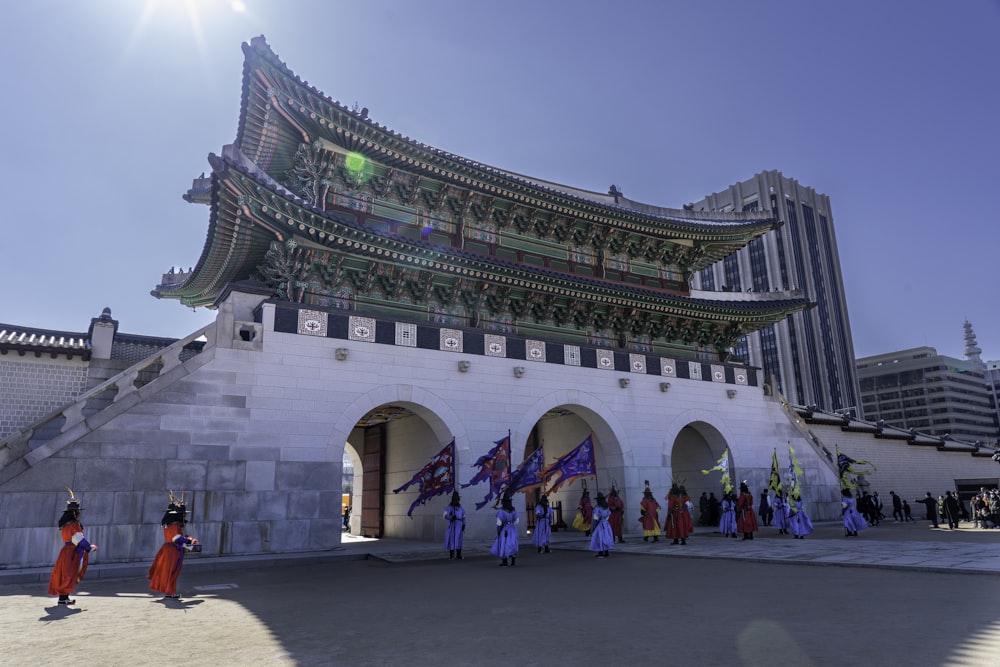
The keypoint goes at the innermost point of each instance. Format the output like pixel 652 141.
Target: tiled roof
pixel 26 339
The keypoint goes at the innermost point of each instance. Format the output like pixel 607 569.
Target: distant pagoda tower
pixel 972 350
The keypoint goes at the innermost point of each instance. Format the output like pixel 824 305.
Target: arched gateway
pixel 385 297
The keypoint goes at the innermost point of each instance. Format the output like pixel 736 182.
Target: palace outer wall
pixel 253 431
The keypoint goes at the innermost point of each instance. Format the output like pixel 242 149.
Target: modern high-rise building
pixel 991 371
pixel 810 354
pixel 922 390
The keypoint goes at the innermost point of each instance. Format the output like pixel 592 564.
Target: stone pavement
pixel 911 546
pixel 909 595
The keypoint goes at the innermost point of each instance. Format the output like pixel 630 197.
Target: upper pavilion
pixel 334 211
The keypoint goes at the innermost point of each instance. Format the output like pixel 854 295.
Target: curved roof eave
pixel 751 307
pixel 705 222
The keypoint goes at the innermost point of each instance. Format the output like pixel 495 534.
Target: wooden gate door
pixel 373 481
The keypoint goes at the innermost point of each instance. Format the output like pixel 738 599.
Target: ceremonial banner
pixel 723 465
pixel 579 462
pixel 775 483
pixel 493 466
pixel 435 478
pixel 845 464
pixel 794 472
pixel 529 474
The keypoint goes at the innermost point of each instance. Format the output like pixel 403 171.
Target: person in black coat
pixel 931 505
pixel 951 510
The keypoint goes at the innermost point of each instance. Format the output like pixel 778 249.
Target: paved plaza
pixel 899 594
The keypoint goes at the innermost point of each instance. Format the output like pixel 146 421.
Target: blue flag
pixel 493 466
pixel 529 473
pixel 579 462
pixel 435 478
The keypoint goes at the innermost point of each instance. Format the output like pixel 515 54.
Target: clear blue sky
pixel 110 108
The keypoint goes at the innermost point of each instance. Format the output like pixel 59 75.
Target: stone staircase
pixel 94 408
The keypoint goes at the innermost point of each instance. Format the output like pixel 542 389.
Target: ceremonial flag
pixel 579 462
pixel 775 483
pixel 794 472
pixel 723 465
pixel 529 474
pixel 845 465
pixel 435 478
pixel 494 466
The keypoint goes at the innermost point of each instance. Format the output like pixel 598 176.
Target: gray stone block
pixel 97 507
pixel 183 475
pixel 216 438
pixel 240 506
pixel 149 474
pixel 39 509
pixel 203 452
pixel 48 475
pixel 226 475
pixel 128 508
pixel 324 534
pixel 290 536
pixel 213 506
pixel 248 537
pixel 103 475
pixel 272 505
pixel 330 503
pixel 232 401
pixel 305 505
pixel 260 476
pixel 308 475
pixel 138 450
pixel 243 453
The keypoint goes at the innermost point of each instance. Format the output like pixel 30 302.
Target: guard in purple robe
pixel 853 521
pixel 727 524
pixel 454 514
pixel 543 525
pixel 801 524
pixel 782 515
pixel 601 537
pixel 505 545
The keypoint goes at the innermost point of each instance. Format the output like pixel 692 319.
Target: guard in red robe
pixel 649 516
pixel 71 564
pixel 746 518
pixel 617 508
pixel 677 524
pixel 166 567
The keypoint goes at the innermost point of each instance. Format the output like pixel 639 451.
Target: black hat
pixel 72 511
pixel 455 498
pixel 176 511
pixel 508 501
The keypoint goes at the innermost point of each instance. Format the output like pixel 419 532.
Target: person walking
pixel 543 525
pixel 169 560
pixel 74 556
pixel 782 514
pixel 897 507
pixel 931 505
pixel 853 521
pixel 746 519
pixel 906 511
pixel 601 539
pixel 617 520
pixel 584 513
pixel 727 520
pixel 649 515
pixel 764 509
pixel 454 534
pixel 951 511
pixel 677 524
pixel 800 524
pixel 505 545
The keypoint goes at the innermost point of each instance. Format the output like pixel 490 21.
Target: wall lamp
pixel 623 382
pixel 463 366
pixel 731 393
pixel 340 353
pixel 518 371
pixel 664 387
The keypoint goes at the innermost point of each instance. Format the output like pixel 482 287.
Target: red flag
pixel 577 463
pixel 494 466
